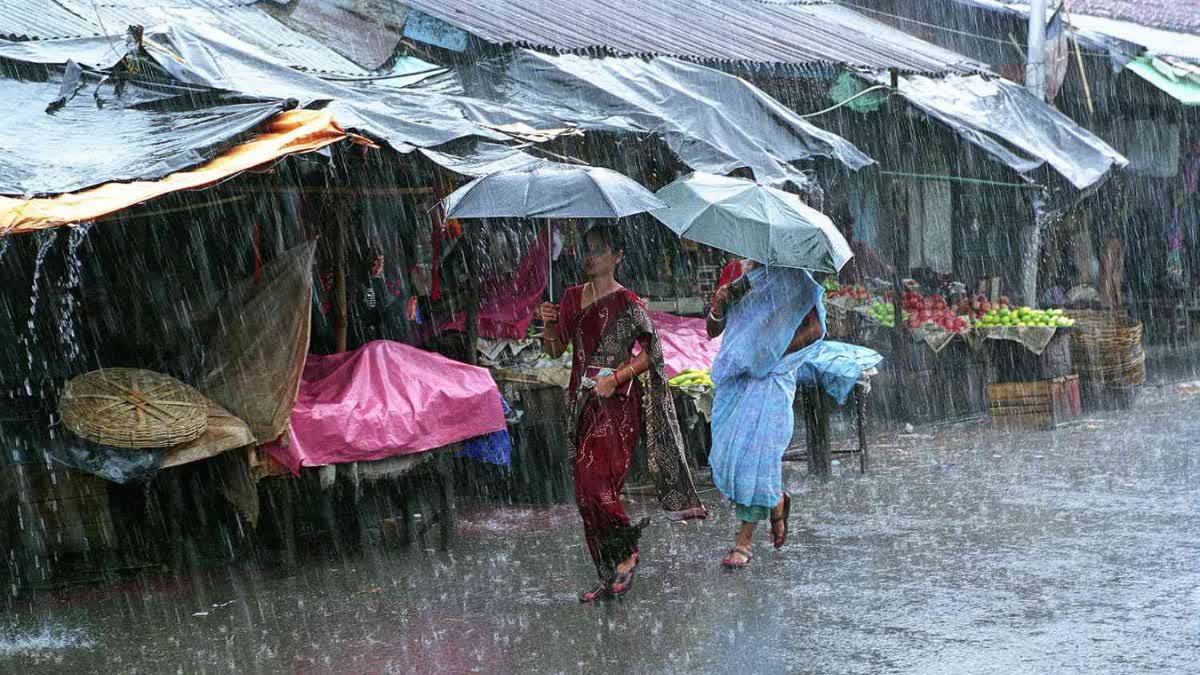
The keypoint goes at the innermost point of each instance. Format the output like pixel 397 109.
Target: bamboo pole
pixel 1087 88
pixel 471 321
pixel 341 310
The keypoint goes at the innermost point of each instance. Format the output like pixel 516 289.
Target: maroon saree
pixel 604 432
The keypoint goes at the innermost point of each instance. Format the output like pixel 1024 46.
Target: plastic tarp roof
pixel 146 133
pixel 291 132
pixel 715 122
pixel 1006 121
pixel 198 66
pixel 483 158
pixel 1178 80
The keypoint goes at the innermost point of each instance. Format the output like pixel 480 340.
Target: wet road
pixel 966 550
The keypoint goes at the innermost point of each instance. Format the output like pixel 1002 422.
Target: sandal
pixel 599 592
pixel 623 582
pixel 787 511
pixel 730 563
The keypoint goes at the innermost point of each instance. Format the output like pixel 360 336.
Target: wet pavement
pixel 964 550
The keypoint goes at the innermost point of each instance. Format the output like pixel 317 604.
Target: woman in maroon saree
pixel 613 397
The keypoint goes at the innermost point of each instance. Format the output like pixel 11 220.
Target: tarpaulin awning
pixel 712 120
pixel 386 399
pixel 482 158
pixel 67 129
pixel 1180 81
pixel 715 122
pixel 288 133
pixel 1006 121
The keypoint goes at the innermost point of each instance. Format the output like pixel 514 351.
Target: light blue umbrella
pixel 752 221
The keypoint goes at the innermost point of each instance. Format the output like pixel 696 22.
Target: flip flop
pixel 787 511
pixel 599 592
pixel 623 583
pixel 732 564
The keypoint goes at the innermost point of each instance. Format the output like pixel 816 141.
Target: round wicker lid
pixel 131 408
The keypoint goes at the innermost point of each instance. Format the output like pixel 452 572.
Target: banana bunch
pixel 691 378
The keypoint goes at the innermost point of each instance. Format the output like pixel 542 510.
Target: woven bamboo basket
pixel 130 408
pixel 1107 348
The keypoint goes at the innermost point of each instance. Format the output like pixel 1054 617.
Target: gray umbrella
pixel 551 190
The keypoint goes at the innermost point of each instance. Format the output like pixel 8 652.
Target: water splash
pixel 67 321
pixel 47 638
pixel 46 241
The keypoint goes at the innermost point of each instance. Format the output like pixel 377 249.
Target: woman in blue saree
pixel 773 340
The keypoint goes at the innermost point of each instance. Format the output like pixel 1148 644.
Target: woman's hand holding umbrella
pixel 548 313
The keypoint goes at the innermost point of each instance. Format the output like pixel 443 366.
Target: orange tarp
pixel 288 133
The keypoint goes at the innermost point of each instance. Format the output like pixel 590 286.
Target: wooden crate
pixel 1034 405
pixel 60 510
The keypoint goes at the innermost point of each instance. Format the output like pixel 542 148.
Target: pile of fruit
pixel 1025 316
pixel 691 378
pixel 855 292
pixel 979 306
pixel 884 313
pixel 932 310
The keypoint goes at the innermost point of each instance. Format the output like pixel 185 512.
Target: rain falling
pixel 506 336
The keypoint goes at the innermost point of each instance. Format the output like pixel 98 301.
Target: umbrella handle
pixel 550 261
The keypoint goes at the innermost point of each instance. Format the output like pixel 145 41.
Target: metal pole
pixel 1035 81
pixel 1035 66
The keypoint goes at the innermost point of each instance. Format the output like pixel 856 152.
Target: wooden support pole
pixel 471 321
pixel 860 414
pixel 341 306
pixel 816 423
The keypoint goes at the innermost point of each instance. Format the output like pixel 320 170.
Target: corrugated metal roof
pixel 40 20
pixel 57 19
pixel 722 30
pixel 329 22
pixel 1181 16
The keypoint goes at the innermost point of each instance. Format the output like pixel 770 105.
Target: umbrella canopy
pixel 551 190
pixel 752 221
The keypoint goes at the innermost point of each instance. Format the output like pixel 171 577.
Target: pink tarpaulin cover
pixel 386 399
pixel 685 343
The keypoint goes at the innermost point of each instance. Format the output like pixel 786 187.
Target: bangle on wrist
pixel 712 315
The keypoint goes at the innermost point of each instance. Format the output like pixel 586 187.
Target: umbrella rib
pixel 603 195
pixel 467 190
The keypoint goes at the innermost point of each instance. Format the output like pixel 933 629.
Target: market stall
pixel 959 349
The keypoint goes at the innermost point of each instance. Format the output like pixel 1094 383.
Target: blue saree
pixel 756 381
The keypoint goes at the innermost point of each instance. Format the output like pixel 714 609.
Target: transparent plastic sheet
pixel 147 132
pixel 1005 120
pixel 255 342
pixel 715 122
pixel 225 87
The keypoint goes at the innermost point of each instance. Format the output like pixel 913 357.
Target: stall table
pixel 816 408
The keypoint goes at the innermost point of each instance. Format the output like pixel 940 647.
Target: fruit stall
pixel 956 351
